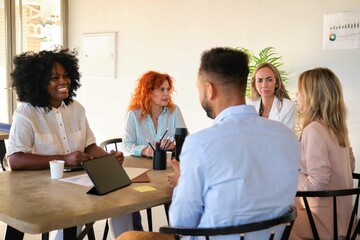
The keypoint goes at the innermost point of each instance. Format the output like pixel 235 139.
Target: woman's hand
pixel 173 177
pixel 75 158
pixel 118 155
pixel 168 144
pixel 147 152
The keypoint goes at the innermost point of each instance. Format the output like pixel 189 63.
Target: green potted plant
pixel 269 55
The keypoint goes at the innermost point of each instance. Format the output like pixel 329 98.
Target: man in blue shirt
pixel 242 169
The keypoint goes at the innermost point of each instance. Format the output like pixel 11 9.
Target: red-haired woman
pixel 150 113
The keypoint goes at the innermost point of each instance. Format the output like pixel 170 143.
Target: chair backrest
pixel 287 220
pixel 356 177
pixel 5 127
pixel 113 142
pixel 2 154
pixel 334 194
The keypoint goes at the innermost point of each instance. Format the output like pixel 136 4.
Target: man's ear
pixel 210 90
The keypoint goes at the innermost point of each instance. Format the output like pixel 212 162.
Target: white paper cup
pixel 168 154
pixel 57 168
pixel 168 158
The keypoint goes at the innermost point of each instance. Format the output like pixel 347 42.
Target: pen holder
pixel 159 160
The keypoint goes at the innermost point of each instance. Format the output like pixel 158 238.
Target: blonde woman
pixel 269 96
pixel 325 160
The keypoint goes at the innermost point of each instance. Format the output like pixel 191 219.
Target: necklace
pixel 156 116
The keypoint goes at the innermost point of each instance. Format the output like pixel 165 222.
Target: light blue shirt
pixel 242 169
pixel 138 132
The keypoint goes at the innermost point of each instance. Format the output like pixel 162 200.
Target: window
pixel 26 25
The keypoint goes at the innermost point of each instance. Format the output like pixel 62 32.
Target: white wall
pixel 169 36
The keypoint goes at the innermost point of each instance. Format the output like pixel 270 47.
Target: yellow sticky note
pixel 145 189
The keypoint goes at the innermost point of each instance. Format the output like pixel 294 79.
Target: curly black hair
pixel 32 74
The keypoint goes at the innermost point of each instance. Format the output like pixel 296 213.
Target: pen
pixel 150 145
pixel 166 147
pixel 167 140
pixel 164 134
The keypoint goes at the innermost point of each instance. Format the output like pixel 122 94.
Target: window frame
pixel 11 41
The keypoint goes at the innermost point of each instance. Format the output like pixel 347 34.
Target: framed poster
pixel 99 55
pixel 341 30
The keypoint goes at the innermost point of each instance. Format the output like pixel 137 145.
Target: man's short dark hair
pixel 226 66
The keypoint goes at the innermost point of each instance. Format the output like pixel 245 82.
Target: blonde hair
pixel 322 100
pixel 280 90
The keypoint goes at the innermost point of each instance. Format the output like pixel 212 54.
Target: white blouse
pixel 286 114
pixel 60 131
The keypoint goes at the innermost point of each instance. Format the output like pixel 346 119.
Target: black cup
pixel 180 135
pixel 159 160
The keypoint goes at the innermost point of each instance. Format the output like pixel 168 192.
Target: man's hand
pixel 173 177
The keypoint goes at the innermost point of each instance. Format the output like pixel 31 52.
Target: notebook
pixel 106 173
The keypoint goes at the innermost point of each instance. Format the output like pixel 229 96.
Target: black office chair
pixel 112 144
pixel 6 128
pixel 354 224
pixel 287 220
pixel 2 154
pixel 106 145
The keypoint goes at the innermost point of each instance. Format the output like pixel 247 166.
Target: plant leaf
pixel 267 54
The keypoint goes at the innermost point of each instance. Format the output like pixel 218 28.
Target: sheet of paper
pixel 84 179
pixel 134 172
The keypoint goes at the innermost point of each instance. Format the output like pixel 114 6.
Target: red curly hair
pixel 140 100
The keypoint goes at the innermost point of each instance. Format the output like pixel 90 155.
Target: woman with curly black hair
pixel 33 72
pixel 50 124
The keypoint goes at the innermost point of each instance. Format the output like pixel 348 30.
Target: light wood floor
pixel 159 219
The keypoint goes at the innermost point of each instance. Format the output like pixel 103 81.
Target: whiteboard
pixel 99 55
